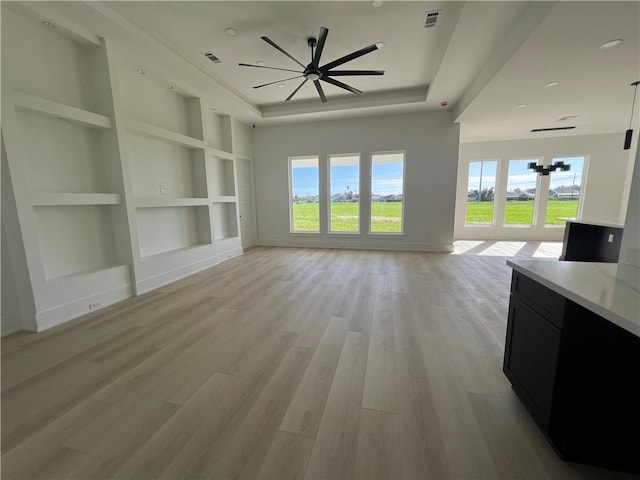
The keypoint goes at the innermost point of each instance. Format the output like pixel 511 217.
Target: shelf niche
pixel 61 156
pixel 218 130
pixel 167 229
pixel 181 171
pixel 222 182
pixel 75 239
pixel 149 99
pixel 225 221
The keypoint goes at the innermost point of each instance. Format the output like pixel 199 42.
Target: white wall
pixel 605 185
pixel 431 143
pixel 17 309
pixel 630 249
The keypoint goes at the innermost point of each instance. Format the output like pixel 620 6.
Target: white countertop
pixel 587 222
pixel 612 290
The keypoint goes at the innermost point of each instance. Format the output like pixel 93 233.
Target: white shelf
pixel 170 202
pixel 147 130
pixel 224 199
pixel 44 199
pixel 158 256
pixel 43 106
pixel 214 152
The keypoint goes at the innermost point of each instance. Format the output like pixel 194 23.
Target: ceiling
pixel 482 58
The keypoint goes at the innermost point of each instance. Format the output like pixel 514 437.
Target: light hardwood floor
pixel 282 363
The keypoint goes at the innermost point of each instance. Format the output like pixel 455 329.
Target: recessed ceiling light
pixel 281 85
pixel 260 63
pixel 611 44
pixel 141 72
pixel 522 105
pixel 376 3
pixel 552 84
pixel 171 87
pixel 232 32
pixel 48 24
pixel 380 44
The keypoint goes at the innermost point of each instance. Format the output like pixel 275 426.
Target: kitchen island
pixel 572 354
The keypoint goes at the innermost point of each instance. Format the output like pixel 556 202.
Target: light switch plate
pixel 163 188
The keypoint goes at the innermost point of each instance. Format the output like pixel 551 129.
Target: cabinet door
pixel 530 360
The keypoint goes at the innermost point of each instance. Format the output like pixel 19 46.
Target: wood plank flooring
pixel 283 363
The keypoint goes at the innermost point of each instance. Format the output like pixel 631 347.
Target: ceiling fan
pixel 314 72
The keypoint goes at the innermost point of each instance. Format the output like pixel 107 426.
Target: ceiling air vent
pixel 430 18
pixel 211 57
pixel 551 129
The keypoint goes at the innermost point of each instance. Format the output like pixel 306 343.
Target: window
pixel 521 193
pixel 303 194
pixel 344 193
pixel 481 191
pixel 387 192
pixel 565 192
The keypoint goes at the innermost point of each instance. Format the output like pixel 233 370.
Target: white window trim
pixel 290 176
pixel 339 155
pixel 495 194
pixel 404 192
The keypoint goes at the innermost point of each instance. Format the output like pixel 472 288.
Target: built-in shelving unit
pixel 182 171
pixel 64 164
pixel 124 178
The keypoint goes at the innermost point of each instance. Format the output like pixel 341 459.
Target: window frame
pixel 536 200
pixel 404 194
pixel 344 155
pixel 496 197
pixel 290 161
pixel 583 182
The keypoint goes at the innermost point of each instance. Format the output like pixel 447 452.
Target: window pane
pixel 521 193
pixel 387 192
pixel 564 192
pixel 344 180
pixel 305 213
pixel 481 192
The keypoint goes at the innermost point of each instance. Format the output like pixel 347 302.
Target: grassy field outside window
pixel 519 212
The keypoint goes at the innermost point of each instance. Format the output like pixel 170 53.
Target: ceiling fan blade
pixel 341 85
pixel 276 46
pixel 270 68
pixel 323 97
pixel 348 58
pixel 296 90
pixel 344 73
pixel 277 81
pixel 322 37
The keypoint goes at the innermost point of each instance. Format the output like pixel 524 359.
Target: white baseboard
pixel 356 245
pixel 170 276
pixel 63 313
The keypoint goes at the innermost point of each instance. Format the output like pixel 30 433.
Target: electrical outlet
pixel 610 239
pixel 163 188
pixel 95 306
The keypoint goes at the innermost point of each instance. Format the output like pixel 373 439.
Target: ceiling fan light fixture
pixel 611 44
pixel 312 76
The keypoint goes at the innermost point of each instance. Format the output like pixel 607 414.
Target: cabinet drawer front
pixel 531 356
pixel 543 300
